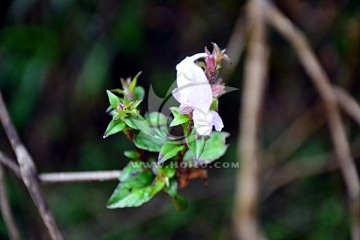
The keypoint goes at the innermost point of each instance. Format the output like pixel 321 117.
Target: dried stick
pixel 9 163
pixel 67 177
pixel 246 192
pixel 6 209
pixel 64 177
pixel 235 46
pixel 28 173
pixel 302 127
pixel 322 83
pixel 297 169
pixel 301 168
pixel 348 103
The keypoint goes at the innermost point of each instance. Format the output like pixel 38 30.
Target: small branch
pixel 297 169
pixel 322 83
pixel 67 177
pixel 294 136
pixel 64 177
pixel 311 166
pixel 28 173
pixel 6 209
pixel 9 163
pixel 348 103
pixel 246 191
pixel 235 46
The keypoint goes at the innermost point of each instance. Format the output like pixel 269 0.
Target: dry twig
pixel 9 163
pixel 246 195
pixel 64 177
pixel 67 177
pixel 6 209
pixel 235 46
pixel 348 103
pixel 28 173
pixel 294 136
pixel 322 83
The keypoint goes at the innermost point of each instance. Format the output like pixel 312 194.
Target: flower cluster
pixel 160 162
pixel 198 88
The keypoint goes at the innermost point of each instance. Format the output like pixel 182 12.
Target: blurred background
pixel 57 58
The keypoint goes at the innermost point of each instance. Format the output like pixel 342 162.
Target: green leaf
pixel 131 169
pixel 138 123
pixel 179 202
pixel 180 119
pixel 169 150
pixel 147 142
pixel 121 115
pixel 196 145
pixel 126 101
pixel 132 154
pixel 133 83
pixel 167 171
pixel 137 186
pixel 113 99
pixel 214 104
pixel 139 92
pixel 135 104
pixel 126 195
pixel 174 111
pixel 214 149
pixel 158 124
pixel 114 126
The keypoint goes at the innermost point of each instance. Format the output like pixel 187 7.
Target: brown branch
pixel 9 163
pixel 294 136
pixel 297 169
pixel 64 177
pixel 348 103
pixel 235 46
pixel 322 83
pixel 6 209
pixel 28 172
pixel 302 168
pixel 246 192
pixel 67 177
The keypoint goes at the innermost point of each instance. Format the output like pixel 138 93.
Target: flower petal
pixel 217 121
pixel 202 122
pixel 185 109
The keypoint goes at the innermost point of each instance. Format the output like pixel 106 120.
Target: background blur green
pixel 57 58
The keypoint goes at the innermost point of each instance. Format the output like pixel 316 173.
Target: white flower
pixel 194 94
pixel 193 89
pixel 204 122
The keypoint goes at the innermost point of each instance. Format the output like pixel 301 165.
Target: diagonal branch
pixel 348 104
pixel 28 173
pixel 322 83
pixel 302 127
pixel 9 163
pixel 235 46
pixel 6 210
pixel 246 192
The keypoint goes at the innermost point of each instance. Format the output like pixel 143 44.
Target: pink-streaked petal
pixel 217 121
pixel 185 109
pixel 217 89
pixel 177 94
